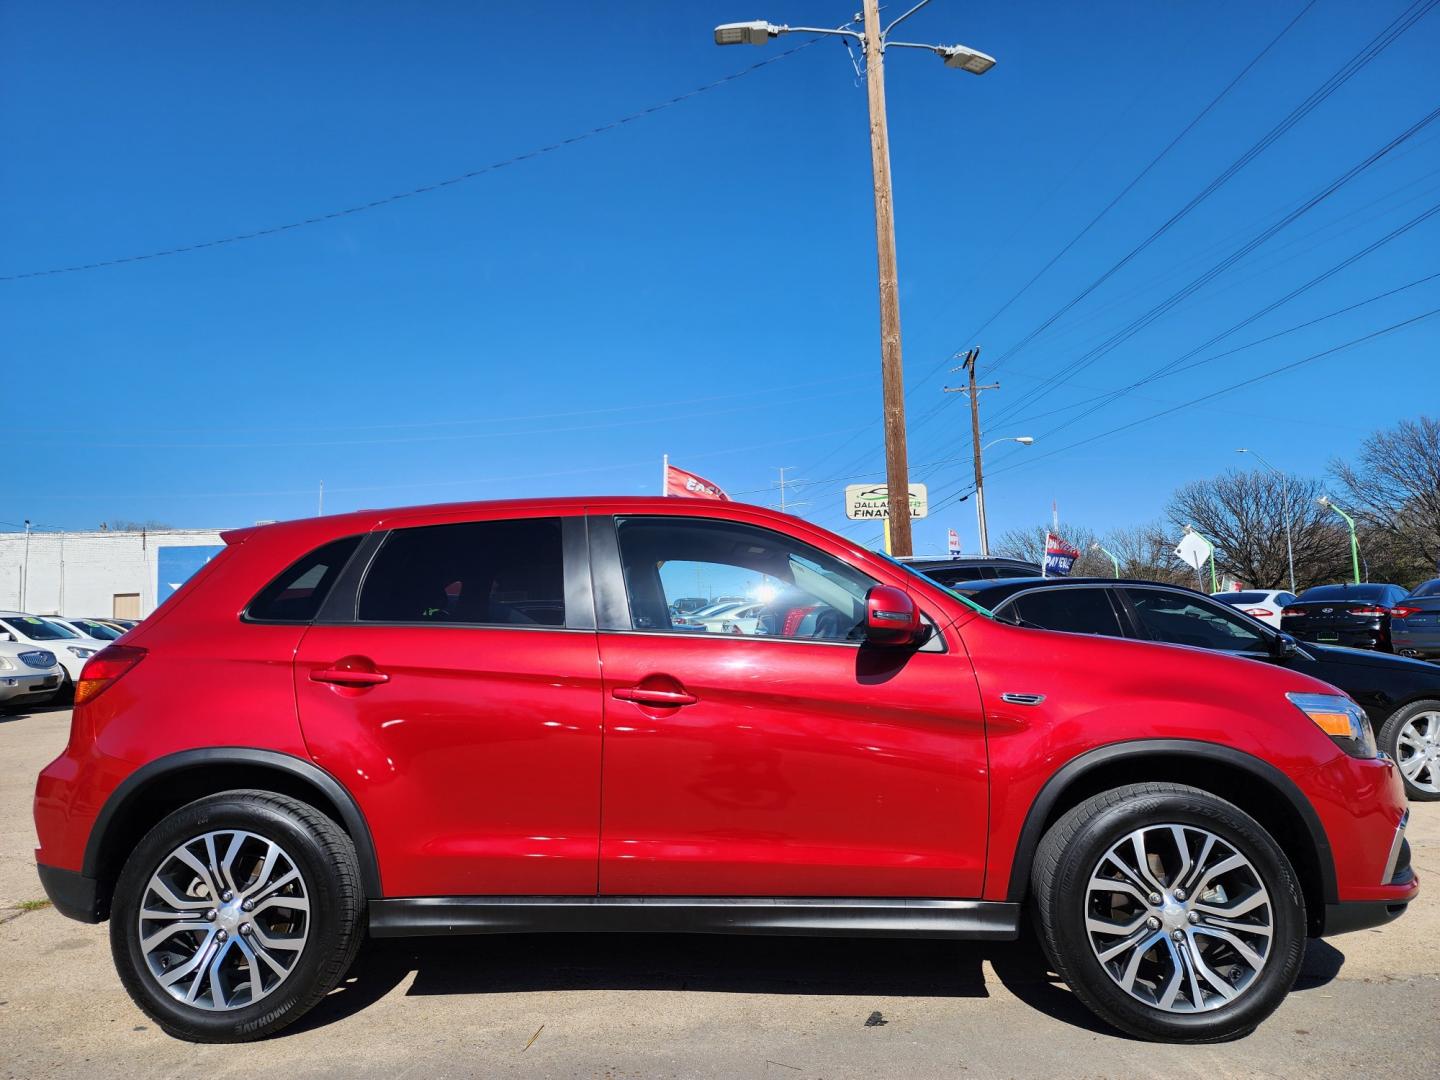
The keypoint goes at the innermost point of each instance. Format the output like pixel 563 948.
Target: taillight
pixel 1371 610
pixel 1403 612
pixel 102 669
pixel 1259 612
pixel 1292 611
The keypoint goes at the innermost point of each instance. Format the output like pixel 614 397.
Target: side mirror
pixel 891 617
pixel 5 635
pixel 1283 645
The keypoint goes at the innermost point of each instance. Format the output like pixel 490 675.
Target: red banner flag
pixel 686 485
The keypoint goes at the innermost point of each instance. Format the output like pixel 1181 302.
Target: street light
pixel 874 41
pixel 984 525
pixel 1285 508
pixel 1324 500
pixel 1097 547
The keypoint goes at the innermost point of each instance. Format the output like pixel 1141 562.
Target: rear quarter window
pixel 296 594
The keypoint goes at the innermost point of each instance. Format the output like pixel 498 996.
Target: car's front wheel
pixel 235 915
pixel 1412 737
pixel 1170 912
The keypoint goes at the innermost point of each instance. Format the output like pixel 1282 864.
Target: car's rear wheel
pixel 1170 912
pixel 235 915
pixel 1412 737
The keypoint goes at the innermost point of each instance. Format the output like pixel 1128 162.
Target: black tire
pixel 1389 740
pixel 1071 852
pixel 335 926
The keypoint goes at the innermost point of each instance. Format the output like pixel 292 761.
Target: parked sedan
pixel 70 648
pixel 88 627
pixel 1400 696
pixel 28 676
pixel 1262 604
pixel 1344 614
pixel 1415 622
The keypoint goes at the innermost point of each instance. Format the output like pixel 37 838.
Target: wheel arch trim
pixel 126 794
pixel 1077 768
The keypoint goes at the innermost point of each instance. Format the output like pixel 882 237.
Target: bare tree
pixel 1147 552
pixel 1243 514
pixel 1029 544
pixel 1394 489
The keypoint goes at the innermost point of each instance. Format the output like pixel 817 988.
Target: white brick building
pixel 99 574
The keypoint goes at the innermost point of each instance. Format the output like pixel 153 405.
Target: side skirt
pixel 813 917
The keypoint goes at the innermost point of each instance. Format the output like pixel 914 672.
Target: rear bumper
pixel 1358 638
pixel 74 895
pixel 1424 642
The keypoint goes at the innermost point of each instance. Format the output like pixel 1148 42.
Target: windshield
pixel 29 626
pixel 935 584
pixel 1428 588
pixel 95 629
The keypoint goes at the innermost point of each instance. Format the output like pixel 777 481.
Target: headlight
pixel 1341 719
pixel 80 651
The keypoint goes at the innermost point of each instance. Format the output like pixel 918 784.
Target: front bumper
pixel 36 687
pixel 74 895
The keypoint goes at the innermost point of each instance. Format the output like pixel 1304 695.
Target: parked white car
pixel 70 648
pixel 1262 604
pixel 28 676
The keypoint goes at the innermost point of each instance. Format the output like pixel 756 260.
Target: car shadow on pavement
pixel 26 712
pixel 870 968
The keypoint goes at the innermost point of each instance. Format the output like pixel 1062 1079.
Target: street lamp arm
pixel 833 31
pixel 896 22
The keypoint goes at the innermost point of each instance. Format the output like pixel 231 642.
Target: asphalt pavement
pixel 1367 1004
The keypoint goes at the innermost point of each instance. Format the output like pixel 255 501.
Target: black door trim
pixel 785 916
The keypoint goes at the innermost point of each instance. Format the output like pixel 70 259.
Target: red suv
pixel 481 718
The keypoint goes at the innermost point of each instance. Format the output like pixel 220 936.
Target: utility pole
pixel 897 465
pixel 874 41
pixel 320 509
pixel 787 505
pixel 974 391
pixel 25 568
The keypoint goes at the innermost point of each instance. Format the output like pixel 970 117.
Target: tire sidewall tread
pixel 331 870
pixel 1073 846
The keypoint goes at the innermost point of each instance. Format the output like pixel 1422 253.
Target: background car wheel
pixel 1412 737
pixel 1170 912
pixel 235 915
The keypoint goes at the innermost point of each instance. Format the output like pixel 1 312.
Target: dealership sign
pixel 873 501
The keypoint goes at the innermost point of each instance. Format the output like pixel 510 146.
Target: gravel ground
pixel 611 1006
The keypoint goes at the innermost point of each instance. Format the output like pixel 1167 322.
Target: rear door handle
pixel 346 677
pixel 663 698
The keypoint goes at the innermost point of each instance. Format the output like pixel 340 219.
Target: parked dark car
pixel 1415 622
pixel 948 569
pixel 1344 614
pixel 1400 696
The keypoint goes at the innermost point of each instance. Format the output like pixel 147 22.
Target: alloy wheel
pixel 224 920
pixel 1179 918
pixel 1417 747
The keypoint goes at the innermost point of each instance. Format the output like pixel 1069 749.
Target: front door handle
pixel 663 698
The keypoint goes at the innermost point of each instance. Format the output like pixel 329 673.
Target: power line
pixel 1392 328
pixel 1136 325
pixel 1339 78
pixel 424 189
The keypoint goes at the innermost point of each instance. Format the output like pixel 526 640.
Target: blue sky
pixel 700 282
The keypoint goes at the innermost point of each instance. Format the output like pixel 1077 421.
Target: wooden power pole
pixel 982 526
pixel 897 466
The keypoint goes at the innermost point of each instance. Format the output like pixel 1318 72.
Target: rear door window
pixel 1182 619
pixel 489 573
pixel 1074 610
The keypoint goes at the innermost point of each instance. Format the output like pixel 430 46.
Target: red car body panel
pixel 800 770
pixel 497 761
